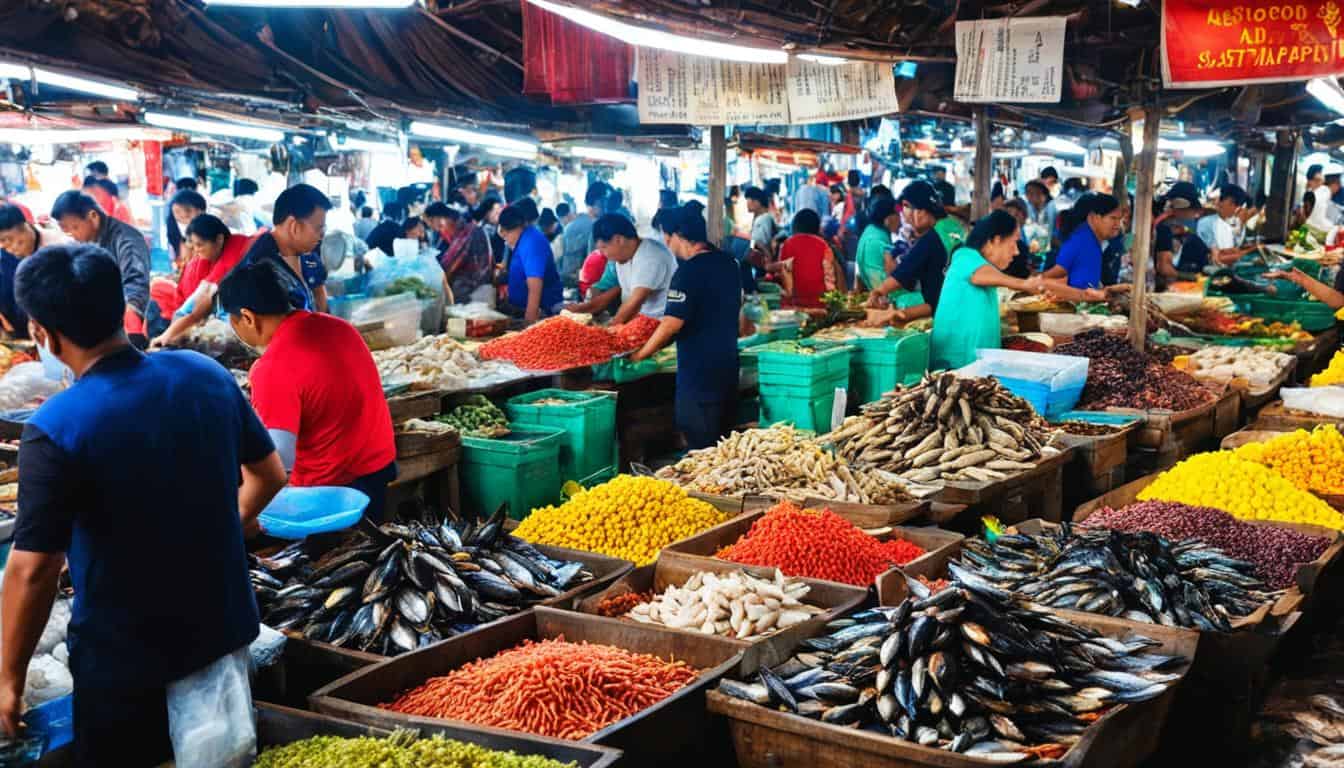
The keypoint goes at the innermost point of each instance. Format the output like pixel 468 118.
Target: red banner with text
pixel 1209 43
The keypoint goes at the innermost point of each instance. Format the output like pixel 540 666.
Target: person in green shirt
pixel 967 317
pixel 952 232
pixel 873 258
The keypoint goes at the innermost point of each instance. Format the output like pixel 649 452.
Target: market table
pixel 1277 417
pixel 1035 492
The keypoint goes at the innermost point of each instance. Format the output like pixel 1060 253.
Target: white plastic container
pixel 391 321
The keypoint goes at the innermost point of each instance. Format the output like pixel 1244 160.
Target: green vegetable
pixel 409 284
pixel 394 752
pixel 477 416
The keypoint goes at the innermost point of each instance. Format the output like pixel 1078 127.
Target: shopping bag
pixel 210 715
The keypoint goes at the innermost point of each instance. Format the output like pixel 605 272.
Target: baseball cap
pixel 921 196
pixel 1182 195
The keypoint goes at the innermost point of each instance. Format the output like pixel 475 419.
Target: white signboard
pixel 827 93
pixel 1010 60
pixel 696 90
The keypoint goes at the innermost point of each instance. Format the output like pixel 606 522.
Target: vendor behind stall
pixel 811 267
pixel 215 252
pixel 644 267
pixel 1093 220
pixel 290 248
pixel 464 255
pixel 19 239
pixel 131 476
pixel 703 303
pixel 922 267
pixel 316 388
pixel 872 259
pixel 82 220
pixel 1220 231
pixel 534 282
pixel 967 318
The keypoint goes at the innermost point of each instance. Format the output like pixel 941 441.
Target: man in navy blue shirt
pixel 132 476
pixel 300 218
pixel 923 267
pixel 703 303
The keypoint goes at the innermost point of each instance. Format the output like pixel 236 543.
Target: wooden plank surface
pixel 1276 416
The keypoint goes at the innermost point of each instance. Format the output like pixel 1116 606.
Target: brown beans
pixel 1120 376
pixel 1275 551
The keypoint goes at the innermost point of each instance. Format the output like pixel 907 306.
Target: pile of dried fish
pixel 1138 576
pixel 399 587
pixel 965 669
pixel 945 428
pixel 1302 720
pixel 736 604
pixel 440 362
pixel 780 462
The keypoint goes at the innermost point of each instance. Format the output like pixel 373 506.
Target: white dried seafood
pixel 1258 365
pixel 440 362
pixel 784 463
pixel 735 604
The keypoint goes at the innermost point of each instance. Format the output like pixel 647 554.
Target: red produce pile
pixel 1276 552
pixel 554 345
pixel 635 333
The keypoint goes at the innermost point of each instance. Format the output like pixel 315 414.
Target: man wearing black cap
pixel 703 303
pixel 923 266
pixel 1176 247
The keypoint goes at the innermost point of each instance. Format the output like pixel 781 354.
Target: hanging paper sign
pixel 1208 43
pixel 677 88
pixel 680 88
pixel 827 93
pixel 1010 60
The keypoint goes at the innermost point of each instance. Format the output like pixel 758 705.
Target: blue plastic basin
pixel 298 512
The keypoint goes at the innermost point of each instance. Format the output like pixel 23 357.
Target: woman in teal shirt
pixel 967 318
pixel 872 259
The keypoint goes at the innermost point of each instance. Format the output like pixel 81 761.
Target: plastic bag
pixel 419 275
pixel 267 648
pixel 1326 401
pixel 210 717
pixel 26 385
pixel 477 310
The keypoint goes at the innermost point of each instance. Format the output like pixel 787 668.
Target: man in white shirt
pixel 644 267
pixel 1217 230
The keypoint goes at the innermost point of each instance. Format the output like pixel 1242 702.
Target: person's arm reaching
pixel 1325 294
pixel 667 328
pixel 1056 273
pixel 201 303
pixel 262 480
pixel 1062 290
pixel 989 276
pixel 320 299
pixel 533 312
pixel 631 306
pixel 25 604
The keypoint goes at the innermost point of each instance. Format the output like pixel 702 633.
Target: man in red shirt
pixel 316 388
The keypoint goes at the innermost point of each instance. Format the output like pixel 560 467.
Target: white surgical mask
pixel 52 365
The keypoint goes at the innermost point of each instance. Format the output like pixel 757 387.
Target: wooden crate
pixel 1307 576
pixel 325 656
pixel 1248 435
pixel 1036 492
pixel 1098 462
pixel 416 404
pixel 728 505
pixel 673 569
pixel 1227 414
pixel 676 731
pixel 416 443
pixel 277 726
pixel 705 544
pixel 768 738
pixel 1276 417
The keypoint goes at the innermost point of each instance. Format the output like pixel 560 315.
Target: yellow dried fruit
pixel 1241 487
pixel 628 517
pixel 1313 461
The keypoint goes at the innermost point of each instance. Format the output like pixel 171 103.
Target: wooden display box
pixel 676 731
pixel 673 569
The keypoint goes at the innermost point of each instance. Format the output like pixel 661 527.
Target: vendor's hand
pixel 160 341
pixel 252 528
pixel 578 309
pixel 1119 288
pixel 638 356
pixel 899 316
pixel 1036 284
pixel 11 706
pixel 877 300
pixel 1094 294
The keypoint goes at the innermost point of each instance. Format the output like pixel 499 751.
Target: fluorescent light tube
pixel 1061 146
pixel 601 153
pixel 467 136
pixel 14 71
pixel 363 145
pixel 652 38
pixel 389 4
pixel 43 136
pixel 214 127
pixel 1327 91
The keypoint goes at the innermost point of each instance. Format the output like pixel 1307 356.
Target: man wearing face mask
pixel 88 500
pixel 290 248
pixel 315 387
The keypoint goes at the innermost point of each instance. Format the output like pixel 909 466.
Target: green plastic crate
pixel 1313 315
pixel 588 421
pixel 599 477
pixel 805 407
pixel 782 333
pixel 881 365
pixel 791 368
pixel 521 469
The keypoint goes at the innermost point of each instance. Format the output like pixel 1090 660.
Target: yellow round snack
pixel 1244 488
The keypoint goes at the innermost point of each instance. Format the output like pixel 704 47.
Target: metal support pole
pixel 1142 254
pixel 718 183
pixel 984 152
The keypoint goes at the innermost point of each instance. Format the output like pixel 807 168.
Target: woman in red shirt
pixel 810 260
pixel 214 253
